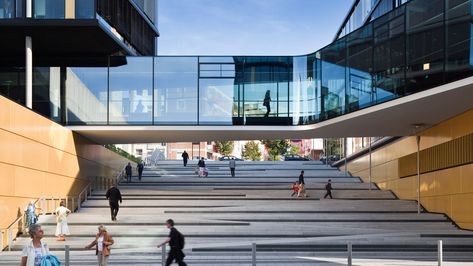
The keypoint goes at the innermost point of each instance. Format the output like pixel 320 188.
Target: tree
pixel 224 147
pixel 276 148
pixel 294 149
pixel 251 151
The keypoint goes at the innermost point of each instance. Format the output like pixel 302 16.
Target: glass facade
pixel 417 46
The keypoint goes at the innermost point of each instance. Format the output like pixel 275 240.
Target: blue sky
pixel 248 27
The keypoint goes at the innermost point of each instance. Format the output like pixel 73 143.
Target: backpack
pixel 181 240
pixel 50 260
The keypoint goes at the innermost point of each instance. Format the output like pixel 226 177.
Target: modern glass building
pixel 91 70
pixel 396 49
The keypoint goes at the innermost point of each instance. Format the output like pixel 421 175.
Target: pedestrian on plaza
pixel 301 178
pixel 140 166
pixel 176 242
pixel 185 157
pixel 201 165
pixel 128 172
pixel 31 217
pixel 62 228
pixel 102 242
pixel 267 102
pixel 295 188
pixel 328 188
pixel 232 165
pixel 34 251
pixel 113 195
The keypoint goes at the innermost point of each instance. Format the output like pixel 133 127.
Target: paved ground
pixel 222 216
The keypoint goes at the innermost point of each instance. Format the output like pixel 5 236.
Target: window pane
pixel 49 9
pixel 86 95
pixel 84 9
pixel 175 93
pixel 216 101
pixel 131 92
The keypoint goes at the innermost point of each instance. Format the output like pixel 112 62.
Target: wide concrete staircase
pixel 222 216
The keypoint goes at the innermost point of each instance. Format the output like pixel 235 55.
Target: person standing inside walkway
pixel 140 166
pixel 176 242
pixel 328 188
pixel 301 191
pixel 113 195
pixel 185 157
pixel 128 172
pixel 301 178
pixel 62 229
pixel 103 241
pixel 34 251
pixel 267 102
pixel 232 165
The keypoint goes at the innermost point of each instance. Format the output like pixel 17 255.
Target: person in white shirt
pixel 34 251
pixel 62 228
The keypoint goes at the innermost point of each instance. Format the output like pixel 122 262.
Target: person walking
pixel 128 172
pixel 103 241
pixel 328 188
pixel 232 165
pixel 140 166
pixel 34 251
pixel 113 195
pixel 267 102
pixel 176 242
pixel 201 165
pixel 301 178
pixel 185 157
pixel 62 228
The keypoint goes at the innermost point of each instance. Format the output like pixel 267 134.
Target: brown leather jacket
pixel 107 242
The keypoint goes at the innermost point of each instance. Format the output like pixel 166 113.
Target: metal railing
pixel 49 205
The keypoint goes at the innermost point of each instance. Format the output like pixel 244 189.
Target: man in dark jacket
pixel 140 166
pixel 176 242
pixel 328 188
pixel 128 172
pixel 185 157
pixel 301 178
pixel 113 195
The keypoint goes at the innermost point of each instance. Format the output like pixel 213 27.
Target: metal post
pixel 253 254
pixel 163 255
pixel 345 155
pixel 66 255
pixel 418 174
pixel 10 238
pixel 370 165
pixel 43 205
pixel 78 203
pixel 349 254
pixel 53 204
pixel 439 252
pixel 29 8
pixel 1 239
pixel 29 71
pixel 72 204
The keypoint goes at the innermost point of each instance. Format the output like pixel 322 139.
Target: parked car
pixel 228 158
pixel 295 157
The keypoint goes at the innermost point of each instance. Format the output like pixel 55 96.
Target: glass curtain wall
pixel 420 45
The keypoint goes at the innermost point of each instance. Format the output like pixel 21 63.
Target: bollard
pixel 349 253
pixel 78 203
pixel 43 205
pixel 163 255
pixel 440 252
pixel 253 254
pixel 67 202
pixel 10 238
pixel 72 204
pixel 1 239
pixel 66 255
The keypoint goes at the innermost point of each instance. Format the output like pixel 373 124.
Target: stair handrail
pixel 20 219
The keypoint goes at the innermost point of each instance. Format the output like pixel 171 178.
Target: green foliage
pixel 224 147
pixel 251 151
pixel 294 149
pixel 122 153
pixel 276 148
